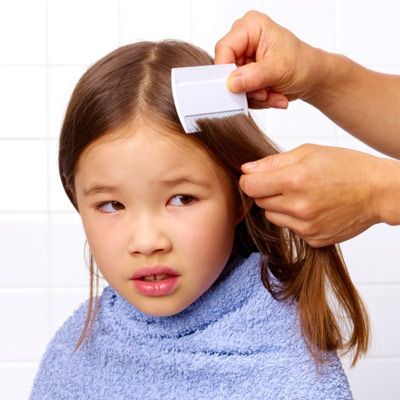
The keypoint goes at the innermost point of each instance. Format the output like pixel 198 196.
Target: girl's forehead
pixel 137 141
pixel 144 149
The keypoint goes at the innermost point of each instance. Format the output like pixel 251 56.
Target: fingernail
pixel 249 166
pixel 235 83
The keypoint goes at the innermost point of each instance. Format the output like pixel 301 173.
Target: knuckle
pixel 300 230
pixel 315 243
pixel 307 231
pixel 312 243
pixel 251 13
pixel 308 146
pixel 222 43
pixel 298 178
pixel 236 23
pixel 295 181
pixel 260 203
pixel 304 146
pixel 269 216
pixel 272 160
pixel 254 16
pixel 218 45
pixel 302 209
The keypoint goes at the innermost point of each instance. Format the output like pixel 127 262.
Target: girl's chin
pixel 159 307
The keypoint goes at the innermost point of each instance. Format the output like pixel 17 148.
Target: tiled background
pixel 46 45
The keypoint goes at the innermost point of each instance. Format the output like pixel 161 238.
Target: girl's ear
pixel 244 207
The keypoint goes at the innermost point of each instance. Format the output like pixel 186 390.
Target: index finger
pixel 278 160
pixel 237 44
pixel 264 184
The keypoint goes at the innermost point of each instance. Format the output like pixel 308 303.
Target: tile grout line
pixel 48 142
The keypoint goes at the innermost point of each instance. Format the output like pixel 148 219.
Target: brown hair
pixel 132 83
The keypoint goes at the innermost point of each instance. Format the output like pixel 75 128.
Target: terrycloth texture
pixel 234 342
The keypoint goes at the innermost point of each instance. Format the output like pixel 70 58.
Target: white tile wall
pixel 313 21
pixel 67 255
pixel 213 19
pixel 26 322
pixel 371 255
pixel 24 174
pixel 49 44
pixel 382 301
pixel 369 31
pixel 168 20
pixel 80 32
pixel 64 303
pixel 23 88
pixel 24 252
pixel 23 32
pixel 375 378
pixel 16 379
pixel 62 80
pixel 300 119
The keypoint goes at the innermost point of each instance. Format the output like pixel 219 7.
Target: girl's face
pixel 170 205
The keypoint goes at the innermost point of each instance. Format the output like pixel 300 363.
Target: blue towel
pixel 234 342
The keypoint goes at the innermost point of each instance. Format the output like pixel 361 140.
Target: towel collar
pixel 223 297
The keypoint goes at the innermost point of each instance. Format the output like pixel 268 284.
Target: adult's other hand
pixel 325 194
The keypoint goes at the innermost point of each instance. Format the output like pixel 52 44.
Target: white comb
pixel 201 92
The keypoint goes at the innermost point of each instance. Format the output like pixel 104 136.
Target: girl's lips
pixel 154 270
pixel 156 288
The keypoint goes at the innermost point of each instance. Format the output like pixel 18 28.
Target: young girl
pixel 206 298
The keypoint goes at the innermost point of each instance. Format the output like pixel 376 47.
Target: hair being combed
pixel 132 84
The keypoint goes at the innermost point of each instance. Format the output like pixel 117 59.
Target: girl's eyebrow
pixel 102 188
pixel 180 180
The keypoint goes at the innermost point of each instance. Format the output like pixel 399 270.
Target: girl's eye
pixel 113 204
pixel 110 207
pixel 183 199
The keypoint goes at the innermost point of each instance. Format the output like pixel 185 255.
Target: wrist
pixel 386 202
pixel 328 75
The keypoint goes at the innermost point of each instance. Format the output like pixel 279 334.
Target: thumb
pixel 274 161
pixel 248 77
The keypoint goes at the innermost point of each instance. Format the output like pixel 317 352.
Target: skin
pixel 147 223
pixel 324 193
pixel 320 198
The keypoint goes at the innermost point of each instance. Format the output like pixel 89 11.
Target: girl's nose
pixel 148 237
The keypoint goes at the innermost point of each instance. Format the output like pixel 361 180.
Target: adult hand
pixel 274 65
pixel 325 194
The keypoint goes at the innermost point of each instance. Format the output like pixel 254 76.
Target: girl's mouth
pixel 155 286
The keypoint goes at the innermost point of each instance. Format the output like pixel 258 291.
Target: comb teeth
pixel 191 119
pixel 201 92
